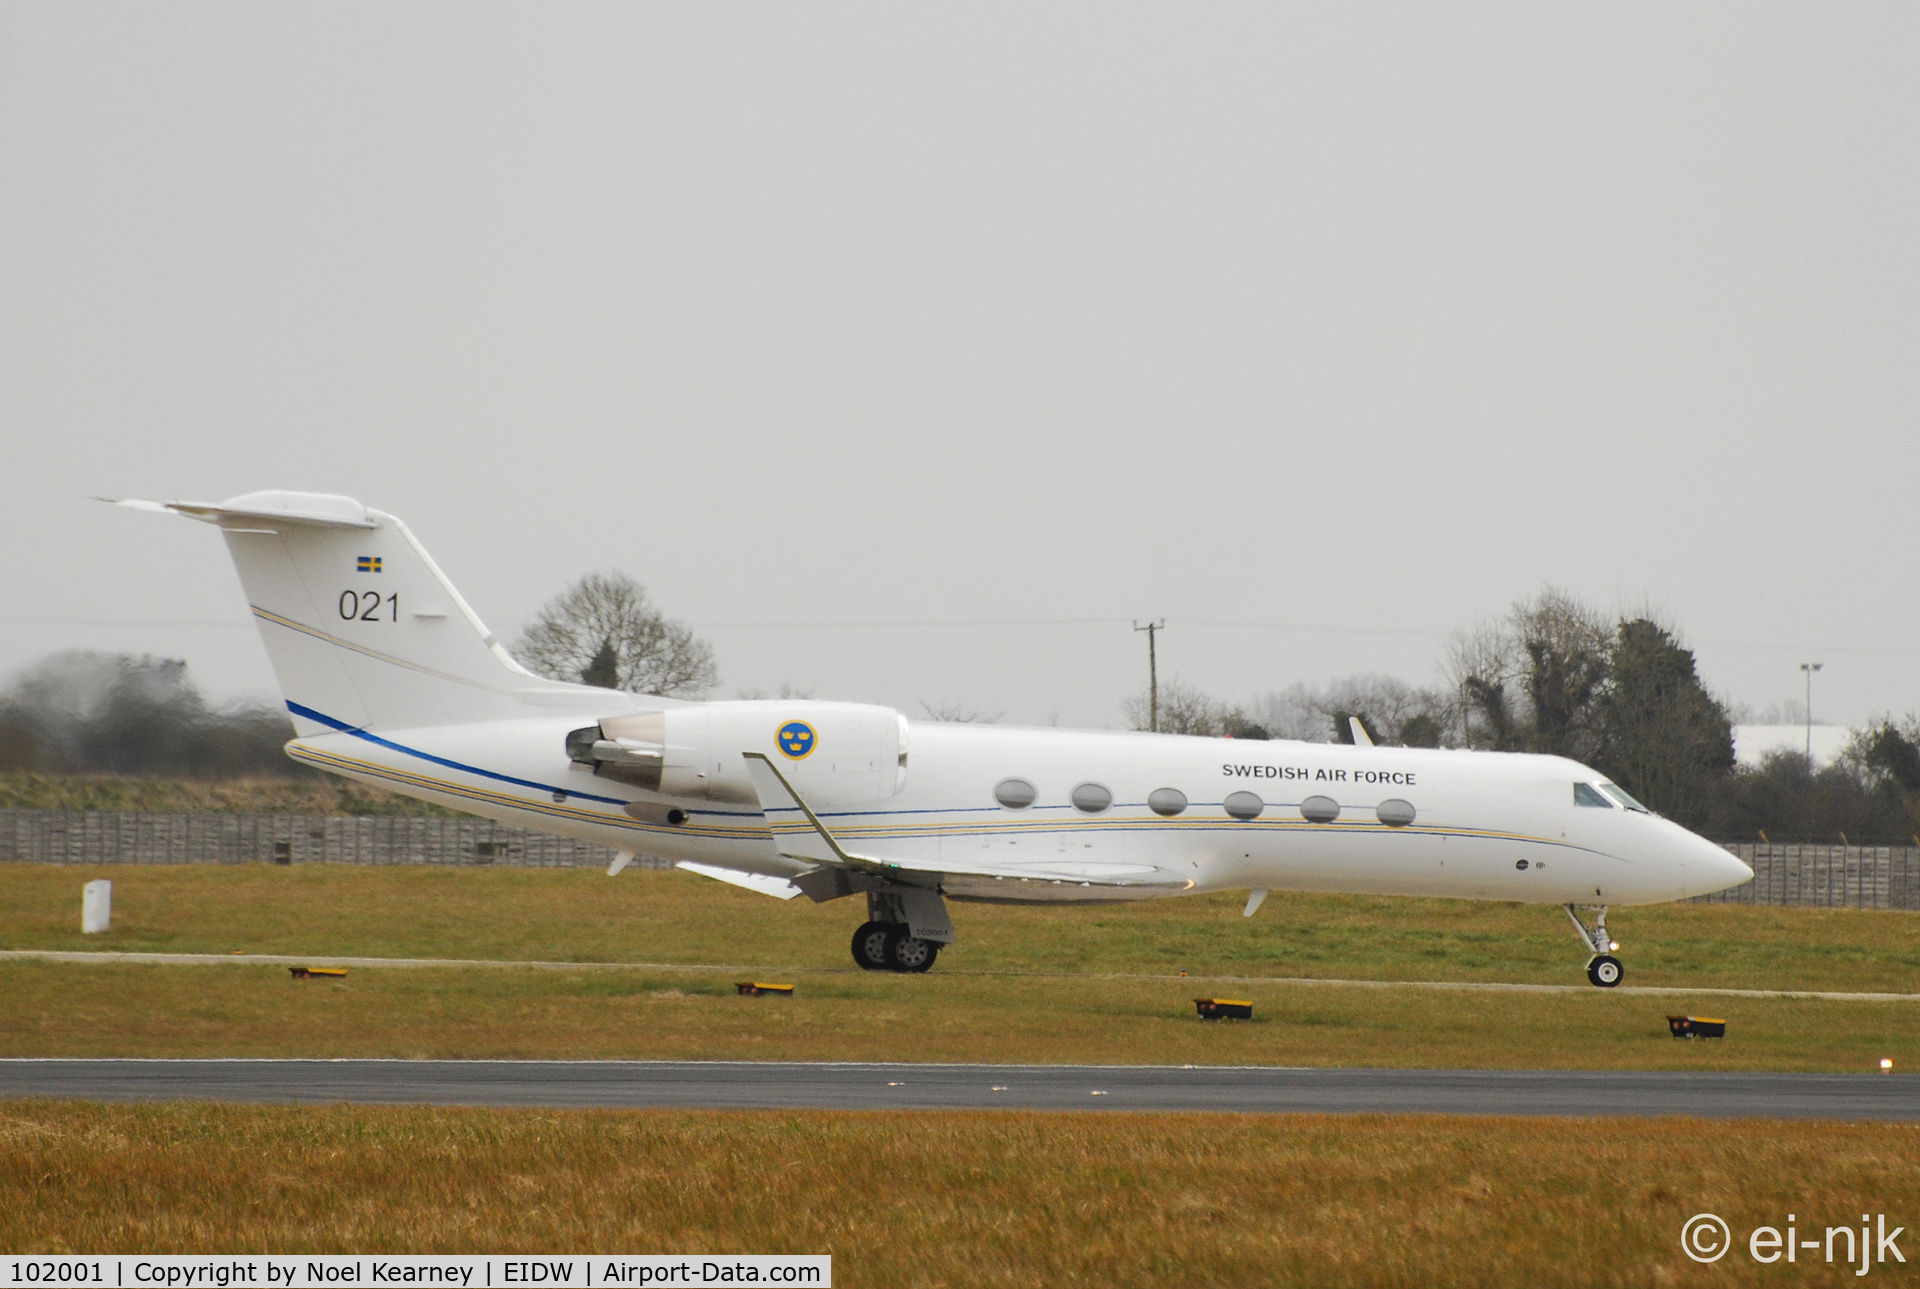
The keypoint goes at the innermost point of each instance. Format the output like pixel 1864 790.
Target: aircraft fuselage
pixel 1485 825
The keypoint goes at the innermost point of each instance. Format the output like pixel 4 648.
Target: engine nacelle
pixel 834 754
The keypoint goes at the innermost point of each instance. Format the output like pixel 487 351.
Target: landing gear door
pixel 926 914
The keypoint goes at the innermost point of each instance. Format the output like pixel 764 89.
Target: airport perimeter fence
pixel 1854 877
pixel 1836 877
pixel 129 837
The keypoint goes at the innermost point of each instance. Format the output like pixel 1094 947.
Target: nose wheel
pixel 1590 920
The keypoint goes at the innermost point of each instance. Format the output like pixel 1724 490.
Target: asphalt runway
pixel 739 1085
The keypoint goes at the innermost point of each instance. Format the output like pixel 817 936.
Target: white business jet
pixel 393 680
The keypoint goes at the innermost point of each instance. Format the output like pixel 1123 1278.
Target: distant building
pixel 1752 743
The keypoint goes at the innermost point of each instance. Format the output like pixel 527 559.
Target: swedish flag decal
pixel 367 564
pixel 795 739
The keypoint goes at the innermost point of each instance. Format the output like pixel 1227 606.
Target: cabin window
pixel 1619 794
pixel 1320 810
pixel 1166 801
pixel 1014 794
pixel 1243 805
pixel 1395 813
pixel 1585 794
pixel 1092 798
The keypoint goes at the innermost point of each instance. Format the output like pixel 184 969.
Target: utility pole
pixel 1153 673
pixel 1810 668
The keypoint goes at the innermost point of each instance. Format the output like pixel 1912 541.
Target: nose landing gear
pixel 1603 969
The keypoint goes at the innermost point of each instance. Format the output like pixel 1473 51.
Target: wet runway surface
pixel 824 1086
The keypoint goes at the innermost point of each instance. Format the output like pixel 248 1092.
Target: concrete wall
pixel 128 837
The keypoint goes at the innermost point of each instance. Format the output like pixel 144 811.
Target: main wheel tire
pixel 870 946
pixel 905 952
pixel 1605 971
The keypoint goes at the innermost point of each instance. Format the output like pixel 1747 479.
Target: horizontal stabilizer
pixel 275 507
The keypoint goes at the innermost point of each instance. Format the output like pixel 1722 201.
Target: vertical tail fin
pixel 363 629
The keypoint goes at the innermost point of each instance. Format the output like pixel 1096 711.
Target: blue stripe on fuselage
pixel 390 745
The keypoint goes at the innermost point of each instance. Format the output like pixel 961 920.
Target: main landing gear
pixel 1603 969
pixel 890 946
pixel 886 942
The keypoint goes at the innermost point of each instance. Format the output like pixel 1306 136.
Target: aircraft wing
pixel 799 834
pixel 778 887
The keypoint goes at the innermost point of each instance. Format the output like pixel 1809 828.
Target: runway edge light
pixel 1224 1008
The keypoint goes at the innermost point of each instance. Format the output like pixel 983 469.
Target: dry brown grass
pixel 54 1009
pixel 951 1198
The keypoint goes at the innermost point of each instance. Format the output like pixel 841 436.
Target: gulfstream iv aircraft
pixel 393 680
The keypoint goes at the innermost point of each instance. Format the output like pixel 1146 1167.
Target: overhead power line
pixel 905 624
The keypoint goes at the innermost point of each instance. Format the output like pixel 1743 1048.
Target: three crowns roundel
pixel 796 739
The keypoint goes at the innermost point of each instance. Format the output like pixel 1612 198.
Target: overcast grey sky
pixel 1368 319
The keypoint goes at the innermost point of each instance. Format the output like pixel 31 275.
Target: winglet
pixel 1360 736
pixel 805 838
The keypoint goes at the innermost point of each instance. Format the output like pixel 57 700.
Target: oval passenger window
pixel 1166 801
pixel 1092 798
pixel 1243 805
pixel 1014 794
pixel 1395 813
pixel 1320 810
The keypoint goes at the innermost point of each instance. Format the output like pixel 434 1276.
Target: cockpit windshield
pixel 1585 794
pixel 1619 794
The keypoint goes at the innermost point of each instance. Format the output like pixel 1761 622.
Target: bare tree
pixel 1186 710
pixel 1530 682
pixel 960 713
pixel 1295 712
pixel 1483 666
pixel 1394 712
pixel 604 631
pixel 1567 646
pixel 756 693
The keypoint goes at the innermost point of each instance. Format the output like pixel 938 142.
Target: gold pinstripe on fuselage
pixel 895 828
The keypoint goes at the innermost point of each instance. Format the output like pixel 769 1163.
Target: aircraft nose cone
pixel 1723 868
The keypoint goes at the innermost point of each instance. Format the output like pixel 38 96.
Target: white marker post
pixel 96 907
